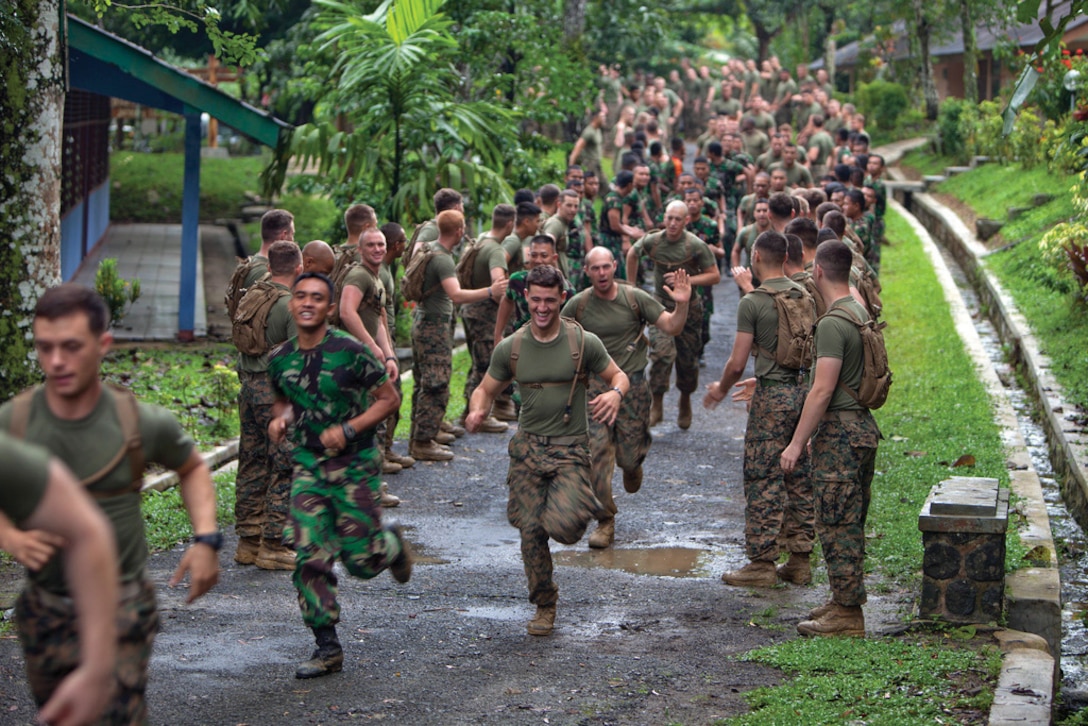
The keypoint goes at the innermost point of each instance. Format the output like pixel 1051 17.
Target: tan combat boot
pixel 429 451
pixel 543 622
pixel 657 409
pixel 797 570
pixel 758 573
pixel 390 467
pixel 836 620
pixel 492 425
pixel 683 418
pixel 274 555
pixel 444 438
pixel 818 612
pixel 452 428
pixel 406 462
pixel 385 499
pixel 246 554
pixel 632 480
pixel 605 533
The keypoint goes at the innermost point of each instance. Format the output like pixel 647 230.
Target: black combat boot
pixel 327 658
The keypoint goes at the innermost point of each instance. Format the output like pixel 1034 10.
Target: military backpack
pixel 236 289
pixel 876 376
pixel 248 331
pixel 796 319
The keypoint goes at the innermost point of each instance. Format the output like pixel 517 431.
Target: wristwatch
pixel 349 431
pixel 617 390
pixel 212 539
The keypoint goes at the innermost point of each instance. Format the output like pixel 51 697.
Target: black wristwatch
pixel 212 539
pixel 349 431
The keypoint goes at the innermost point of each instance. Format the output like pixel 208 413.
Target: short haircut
pixel 274 222
pixel 283 258
pixel 842 134
pixel 714 148
pixel 877 156
pixel 815 197
pixel 825 234
pixel 359 217
pixel 394 233
pixel 544 276
pixel 695 190
pixel 542 239
pixel 835 259
pixel 629 160
pixel 836 221
pixel 573 167
pixel 804 228
pixel 623 179
pixel 863 138
pixel 676 143
pixel 446 198
pixel 857 175
pixel 655 148
pixel 69 298
pixel 524 195
pixel 701 160
pixel 570 194
pixel 502 215
pixel 794 250
pixel 817 120
pixel 781 205
pixel 548 194
pixel 858 197
pixel 450 221
pixel 842 173
pixel 823 209
pixel 589 174
pixel 316 276
pixel 526 210
pixel 771 247
pixel 319 256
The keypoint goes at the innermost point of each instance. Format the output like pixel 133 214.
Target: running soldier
pixel 335 392
pixel 844 439
pixel 671 250
pixel 616 313
pixel 551 495
pixel 93 428
pixel 778 506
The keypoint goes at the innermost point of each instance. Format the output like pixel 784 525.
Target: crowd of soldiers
pixel 566 297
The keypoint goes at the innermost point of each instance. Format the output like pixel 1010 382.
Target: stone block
pixel 986 228
pixel 1015 212
pixel 1040 199
pixel 930 180
pixel 954 170
pixel 1010 640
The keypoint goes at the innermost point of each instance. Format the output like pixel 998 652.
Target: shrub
pixel 883 102
pixel 117 292
pixel 955 128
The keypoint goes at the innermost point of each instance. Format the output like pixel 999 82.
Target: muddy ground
pixel 646 632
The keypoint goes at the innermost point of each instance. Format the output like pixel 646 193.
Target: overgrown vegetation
pixel 115 290
pixel 167 521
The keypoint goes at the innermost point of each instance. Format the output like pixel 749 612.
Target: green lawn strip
pixel 938 411
pixel 991 189
pixel 166 520
pixel 925 163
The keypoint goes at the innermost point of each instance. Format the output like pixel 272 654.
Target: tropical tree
pixel 391 121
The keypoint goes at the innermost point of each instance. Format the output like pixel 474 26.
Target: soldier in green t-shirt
pixel 558 226
pixel 335 393
pixel 841 436
pixel 671 250
pixel 617 313
pixel 587 149
pixel 551 495
pixel 432 352
pixel 78 419
pixel 778 507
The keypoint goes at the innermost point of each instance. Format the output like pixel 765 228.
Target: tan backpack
pixel 796 319
pixel 576 339
pixel 876 376
pixel 411 285
pixel 468 261
pixel 128 414
pixel 248 331
pixel 409 249
pixel 236 289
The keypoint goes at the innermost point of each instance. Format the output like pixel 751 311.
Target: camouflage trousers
pixel 843 461
pixel 50 640
pixel 479 324
pixel 550 496
pixel 386 431
pixel 683 351
pixel 263 485
pixel 432 365
pixel 778 510
pixel 626 442
pixel 335 516
pixel 707 294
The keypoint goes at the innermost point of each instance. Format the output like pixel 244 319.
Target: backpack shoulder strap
pixel 577 345
pixel 20 412
pixel 583 300
pixel 515 351
pixel 131 444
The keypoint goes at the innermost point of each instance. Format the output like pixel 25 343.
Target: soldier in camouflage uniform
pixel 707 230
pixel 854 209
pixel 559 225
pixel 549 478
pixel 617 313
pixel 335 392
pixel 670 250
pixel 591 188
pixel 78 418
pixel 616 234
pixel 778 506
pixel 514 308
pixel 261 503
pixel 844 439
pixel 396 241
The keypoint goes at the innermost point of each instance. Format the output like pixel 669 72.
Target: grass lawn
pixel 937 411
pixel 992 188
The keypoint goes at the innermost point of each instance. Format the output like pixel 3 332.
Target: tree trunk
pixel 925 62
pixel 830 50
pixel 30 174
pixel 970 52
pixel 574 20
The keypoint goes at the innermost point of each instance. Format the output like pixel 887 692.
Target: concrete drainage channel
pixel 1034 594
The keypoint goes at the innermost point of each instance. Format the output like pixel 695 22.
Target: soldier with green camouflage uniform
pixel 79 419
pixel 514 307
pixel 559 225
pixel 590 191
pixel 335 392
pixel 616 313
pixel 671 250
pixel 395 242
pixel 778 506
pixel 551 495
pixel 854 209
pixel 615 232
pixel 708 231
pixel 844 439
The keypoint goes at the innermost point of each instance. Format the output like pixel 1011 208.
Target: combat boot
pixel 406 462
pixel 444 438
pixel 429 451
pixel 390 467
pixel 605 533
pixel 492 425
pixel 797 570
pixel 451 428
pixel 632 480
pixel 385 499
pixel 657 409
pixel 818 612
pixel 401 567
pixel 836 620
pixel 504 410
pixel 274 555
pixel 246 553
pixel 327 658
pixel 757 573
pixel 683 418
pixel 543 622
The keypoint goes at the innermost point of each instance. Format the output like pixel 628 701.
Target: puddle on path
pixel 660 561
